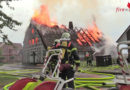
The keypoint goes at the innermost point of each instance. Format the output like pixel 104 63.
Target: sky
pixel 81 12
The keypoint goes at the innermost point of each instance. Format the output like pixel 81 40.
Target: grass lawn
pixel 6 78
pixel 83 66
pixel 2 64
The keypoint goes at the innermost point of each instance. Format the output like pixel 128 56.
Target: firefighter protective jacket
pixel 70 53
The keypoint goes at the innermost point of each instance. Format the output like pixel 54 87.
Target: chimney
pixel 71 25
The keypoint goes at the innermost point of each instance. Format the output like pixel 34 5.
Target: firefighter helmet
pixel 57 41
pixel 48 48
pixel 65 35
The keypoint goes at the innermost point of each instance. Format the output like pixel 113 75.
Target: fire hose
pixel 85 82
pixel 95 82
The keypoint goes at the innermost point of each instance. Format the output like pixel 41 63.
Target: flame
pixel 89 36
pixel 85 36
pixel 80 37
pixel 95 32
pixel 42 17
pixel 63 27
pixel 79 42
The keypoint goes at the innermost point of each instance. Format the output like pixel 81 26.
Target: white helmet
pixel 56 41
pixel 65 36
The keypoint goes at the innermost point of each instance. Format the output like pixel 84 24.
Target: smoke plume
pixel 78 11
pixel 107 47
pixel 81 13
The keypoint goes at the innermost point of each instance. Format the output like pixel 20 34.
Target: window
pixel 32 41
pixel 32 31
pixel 36 40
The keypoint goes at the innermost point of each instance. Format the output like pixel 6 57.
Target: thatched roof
pixel 50 34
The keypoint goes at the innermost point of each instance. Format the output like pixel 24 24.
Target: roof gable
pixel 123 37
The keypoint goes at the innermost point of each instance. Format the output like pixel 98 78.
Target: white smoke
pixel 110 47
pixel 107 47
pixel 77 11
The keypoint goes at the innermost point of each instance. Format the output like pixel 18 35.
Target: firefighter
pixel 69 59
pixel 56 43
pixel 88 57
pixel 53 61
pixel 54 58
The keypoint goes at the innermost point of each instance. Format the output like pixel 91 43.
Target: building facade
pixel 10 53
pixel 39 37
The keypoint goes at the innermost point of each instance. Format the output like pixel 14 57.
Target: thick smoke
pixel 107 47
pixel 80 12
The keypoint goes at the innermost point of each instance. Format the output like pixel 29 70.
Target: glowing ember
pixel 32 31
pixel 32 41
pixel 36 40
pixel 81 38
pixel 79 42
pixel 90 36
pixel 42 17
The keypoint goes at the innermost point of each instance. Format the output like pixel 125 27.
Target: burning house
pixel 42 32
pixel 39 37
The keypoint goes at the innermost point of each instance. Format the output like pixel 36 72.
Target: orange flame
pixel 95 32
pixel 85 36
pixel 42 17
pixel 80 37
pixel 89 36
pixel 79 42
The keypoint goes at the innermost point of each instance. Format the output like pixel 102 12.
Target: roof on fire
pixel 49 34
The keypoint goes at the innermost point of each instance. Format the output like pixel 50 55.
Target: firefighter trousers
pixel 67 74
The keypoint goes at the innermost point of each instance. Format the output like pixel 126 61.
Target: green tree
pixel 7 21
